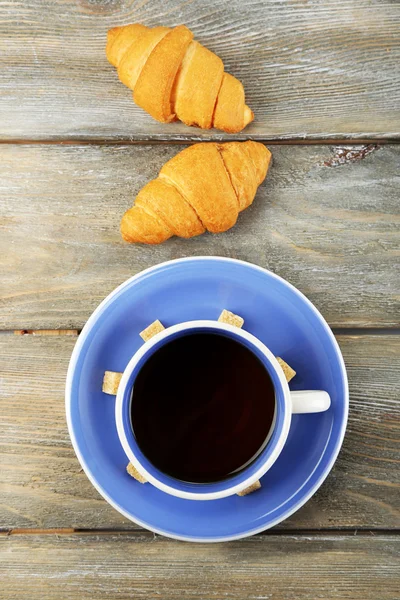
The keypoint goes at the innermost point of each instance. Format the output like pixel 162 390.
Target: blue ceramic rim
pixel 249 474
pixel 90 325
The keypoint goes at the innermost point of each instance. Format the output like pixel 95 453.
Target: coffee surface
pixel 202 407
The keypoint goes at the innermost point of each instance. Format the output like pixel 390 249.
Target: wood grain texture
pixel 72 332
pixel 310 69
pixel 43 486
pixel 137 566
pixel 332 231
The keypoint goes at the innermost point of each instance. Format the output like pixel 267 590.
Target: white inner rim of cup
pixel 228 490
pixel 260 449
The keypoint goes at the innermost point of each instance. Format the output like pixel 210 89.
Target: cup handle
pixel 310 401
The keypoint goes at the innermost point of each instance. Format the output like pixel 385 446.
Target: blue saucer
pixel 199 288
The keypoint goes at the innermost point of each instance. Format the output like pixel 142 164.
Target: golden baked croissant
pixel 174 77
pixel 204 187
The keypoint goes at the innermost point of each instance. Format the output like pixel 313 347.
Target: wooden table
pixel 324 81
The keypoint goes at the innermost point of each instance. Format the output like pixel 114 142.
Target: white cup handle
pixel 310 401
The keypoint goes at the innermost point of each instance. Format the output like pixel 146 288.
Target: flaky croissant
pixel 204 187
pixel 174 77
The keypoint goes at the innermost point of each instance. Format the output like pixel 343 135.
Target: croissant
pixel 174 77
pixel 204 187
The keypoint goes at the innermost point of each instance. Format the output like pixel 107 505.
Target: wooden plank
pixel 310 70
pixel 73 332
pixel 42 485
pixel 332 231
pixel 125 566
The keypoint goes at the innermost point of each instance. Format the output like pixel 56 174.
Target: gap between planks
pixel 299 533
pixel 352 331
pixel 192 139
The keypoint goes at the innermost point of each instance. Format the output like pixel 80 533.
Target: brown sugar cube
pixel 151 330
pixel 288 371
pixel 133 472
pixel 230 319
pixel 111 381
pixel 252 488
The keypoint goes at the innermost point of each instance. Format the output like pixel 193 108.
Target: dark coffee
pixel 202 407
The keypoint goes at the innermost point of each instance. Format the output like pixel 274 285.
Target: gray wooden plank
pixel 43 486
pixel 126 566
pixel 310 70
pixel 326 219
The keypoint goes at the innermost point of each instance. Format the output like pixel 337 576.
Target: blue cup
pixel 286 404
